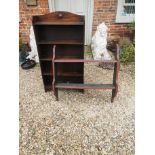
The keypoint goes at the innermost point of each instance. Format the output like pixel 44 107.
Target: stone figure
pixel 33 54
pixel 99 43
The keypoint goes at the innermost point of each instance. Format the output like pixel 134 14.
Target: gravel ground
pixel 78 124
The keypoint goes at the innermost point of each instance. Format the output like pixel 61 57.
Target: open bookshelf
pixel 60 43
pixel 65 31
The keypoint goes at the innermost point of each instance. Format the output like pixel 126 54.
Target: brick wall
pixel 105 11
pixel 26 13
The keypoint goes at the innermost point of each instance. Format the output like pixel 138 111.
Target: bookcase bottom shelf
pixel 80 86
pixel 84 86
pixel 68 74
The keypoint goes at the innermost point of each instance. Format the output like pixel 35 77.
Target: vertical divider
pixel 55 90
pixel 115 74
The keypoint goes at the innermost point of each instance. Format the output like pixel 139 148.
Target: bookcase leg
pixel 56 94
pixel 81 90
pixel 114 93
pixel 115 81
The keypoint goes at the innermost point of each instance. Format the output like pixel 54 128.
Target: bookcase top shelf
pixel 56 23
pixel 58 18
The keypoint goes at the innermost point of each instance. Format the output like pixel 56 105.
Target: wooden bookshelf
pixel 65 31
pixel 60 43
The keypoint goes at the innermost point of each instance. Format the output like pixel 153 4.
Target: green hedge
pixel 127 54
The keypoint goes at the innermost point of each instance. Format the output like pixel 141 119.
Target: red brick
pixel 26 13
pixel 105 10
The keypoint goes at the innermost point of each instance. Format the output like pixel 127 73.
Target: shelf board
pixel 84 86
pixel 60 58
pixel 59 23
pixel 76 74
pixel 48 74
pixel 84 60
pixel 62 42
pixel 46 59
pixel 66 57
pixel 72 59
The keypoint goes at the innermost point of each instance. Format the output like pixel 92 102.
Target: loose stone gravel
pixel 77 124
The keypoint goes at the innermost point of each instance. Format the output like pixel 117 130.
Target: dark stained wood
pixel 53 70
pixel 57 23
pixel 84 86
pixel 84 60
pixel 71 59
pixel 65 32
pixel 115 74
pixel 58 18
pixel 63 74
pixel 60 43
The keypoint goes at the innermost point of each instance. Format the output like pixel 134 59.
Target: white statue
pixel 33 55
pixel 99 43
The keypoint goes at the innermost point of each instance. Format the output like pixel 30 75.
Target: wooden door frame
pixel 89 17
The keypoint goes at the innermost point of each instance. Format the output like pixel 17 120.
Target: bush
pixel 127 54
pixel 131 26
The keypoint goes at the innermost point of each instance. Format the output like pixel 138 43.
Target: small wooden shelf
pixel 61 42
pixel 84 86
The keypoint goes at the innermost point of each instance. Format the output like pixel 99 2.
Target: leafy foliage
pixel 131 26
pixel 127 54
